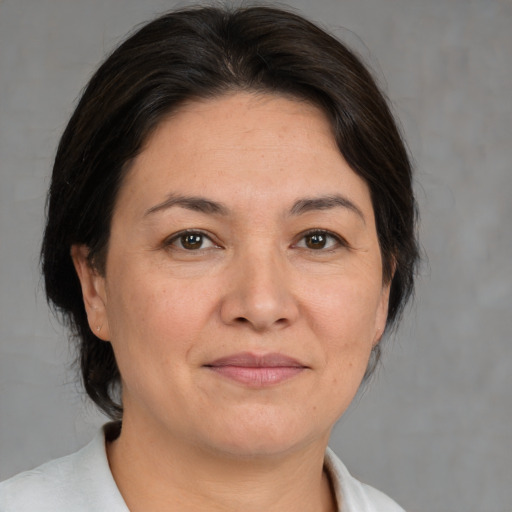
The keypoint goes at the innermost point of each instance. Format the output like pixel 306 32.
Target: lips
pixel 257 370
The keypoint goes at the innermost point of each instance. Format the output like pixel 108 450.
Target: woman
pixel 230 232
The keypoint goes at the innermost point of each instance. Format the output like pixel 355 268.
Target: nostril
pixel 259 326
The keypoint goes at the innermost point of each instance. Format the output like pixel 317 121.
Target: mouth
pixel 257 370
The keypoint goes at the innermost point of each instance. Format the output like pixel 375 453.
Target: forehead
pixel 243 146
pixel 243 121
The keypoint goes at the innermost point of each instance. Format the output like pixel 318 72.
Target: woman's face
pixel 243 286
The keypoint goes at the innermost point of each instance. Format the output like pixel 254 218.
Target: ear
pixel 93 292
pixel 382 313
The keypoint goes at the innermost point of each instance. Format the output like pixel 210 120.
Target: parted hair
pixel 201 53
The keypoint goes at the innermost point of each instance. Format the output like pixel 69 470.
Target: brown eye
pixel 316 240
pixel 320 240
pixel 191 241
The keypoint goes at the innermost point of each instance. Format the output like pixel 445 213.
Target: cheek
pixel 156 319
pixel 344 307
pixel 343 315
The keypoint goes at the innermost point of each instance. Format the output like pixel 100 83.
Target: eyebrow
pixel 325 203
pixel 196 204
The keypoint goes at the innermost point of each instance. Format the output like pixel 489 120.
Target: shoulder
pixel 355 496
pixel 79 482
pixel 43 488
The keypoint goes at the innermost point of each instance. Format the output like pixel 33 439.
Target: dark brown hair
pixel 205 52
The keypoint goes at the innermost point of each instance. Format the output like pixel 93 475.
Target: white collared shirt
pixel 82 482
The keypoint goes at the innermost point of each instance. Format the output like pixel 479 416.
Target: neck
pixel 152 472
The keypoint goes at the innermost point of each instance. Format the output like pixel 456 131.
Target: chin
pixel 256 447
pixel 263 437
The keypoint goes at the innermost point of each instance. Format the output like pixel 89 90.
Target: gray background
pixel 434 429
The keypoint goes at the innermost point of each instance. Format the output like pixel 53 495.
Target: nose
pixel 259 294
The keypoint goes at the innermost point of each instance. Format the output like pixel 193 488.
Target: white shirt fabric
pixel 82 482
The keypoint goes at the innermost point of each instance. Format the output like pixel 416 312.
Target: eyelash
pixel 321 233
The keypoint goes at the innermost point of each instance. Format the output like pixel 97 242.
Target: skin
pixel 255 281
